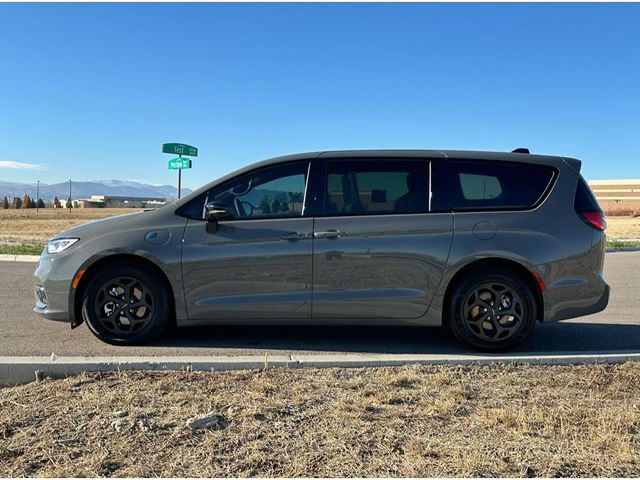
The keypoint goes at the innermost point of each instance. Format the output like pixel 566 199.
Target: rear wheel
pixel 492 310
pixel 125 304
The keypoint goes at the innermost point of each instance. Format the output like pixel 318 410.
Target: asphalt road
pixel 22 333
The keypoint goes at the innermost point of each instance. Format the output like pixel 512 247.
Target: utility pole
pixel 70 203
pixel 37 196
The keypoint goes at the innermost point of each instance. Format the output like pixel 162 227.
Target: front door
pixel 380 248
pixel 256 266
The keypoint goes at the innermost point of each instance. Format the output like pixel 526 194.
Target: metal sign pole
pixel 179 180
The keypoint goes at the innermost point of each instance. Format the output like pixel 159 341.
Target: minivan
pixel 486 244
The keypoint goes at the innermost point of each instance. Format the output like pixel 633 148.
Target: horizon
pixel 243 82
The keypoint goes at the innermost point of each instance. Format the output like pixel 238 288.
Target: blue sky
pixel 91 91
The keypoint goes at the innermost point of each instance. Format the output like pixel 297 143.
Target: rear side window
pixel 485 185
pixel 377 187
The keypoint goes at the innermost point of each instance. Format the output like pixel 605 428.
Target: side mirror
pixel 215 212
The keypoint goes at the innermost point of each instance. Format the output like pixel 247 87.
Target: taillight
pixel 594 218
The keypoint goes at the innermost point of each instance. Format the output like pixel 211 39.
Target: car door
pixel 380 247
pixel 257 265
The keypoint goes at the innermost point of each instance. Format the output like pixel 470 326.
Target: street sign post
pixel 179 163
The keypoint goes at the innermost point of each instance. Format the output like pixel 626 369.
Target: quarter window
pixel 494 185
pixel 376 187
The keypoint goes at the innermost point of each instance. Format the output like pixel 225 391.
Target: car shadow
pixel 559 337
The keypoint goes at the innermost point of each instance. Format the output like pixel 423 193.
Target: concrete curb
pixel 19 258
pixel 19 370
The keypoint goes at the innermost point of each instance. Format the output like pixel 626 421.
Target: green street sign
pixel 179 163
pixel 180 149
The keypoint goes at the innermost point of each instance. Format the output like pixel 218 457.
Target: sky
pixel 91 91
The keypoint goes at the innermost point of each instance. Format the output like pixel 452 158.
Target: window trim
pixel 325 177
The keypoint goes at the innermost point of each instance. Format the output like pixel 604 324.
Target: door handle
pixel 292 236
pixel 329 234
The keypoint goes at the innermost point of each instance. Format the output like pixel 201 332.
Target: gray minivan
pixel 484 243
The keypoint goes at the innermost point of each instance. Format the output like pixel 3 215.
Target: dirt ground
pixel 389 422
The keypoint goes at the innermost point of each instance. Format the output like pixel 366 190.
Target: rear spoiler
pixel 573 163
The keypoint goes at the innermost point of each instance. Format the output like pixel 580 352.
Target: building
pixel 617 197
pixel 112 201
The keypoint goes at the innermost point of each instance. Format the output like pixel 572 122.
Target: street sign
pixel 180 149
pixel 179 163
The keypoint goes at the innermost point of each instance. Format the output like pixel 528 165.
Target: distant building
pixel 112 201
pixel 617 197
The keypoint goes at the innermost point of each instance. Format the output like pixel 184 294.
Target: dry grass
pixel 24 226
pixel 623 227
pixel 410 421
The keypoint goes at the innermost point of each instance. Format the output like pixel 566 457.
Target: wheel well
pixel 515 267
pixel 131 259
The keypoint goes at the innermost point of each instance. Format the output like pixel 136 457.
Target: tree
pixel 69 203
pixel 56 203
pixel 40 203
pixel 32 203
pixel 275 206
pixel 264 205
pixel 284 207
pixel 17 203
pixel 5 202
pixel 26 201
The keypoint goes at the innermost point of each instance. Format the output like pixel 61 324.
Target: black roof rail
pixel 520 150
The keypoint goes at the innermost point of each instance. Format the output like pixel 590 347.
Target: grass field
pixel 546 421
pixel 24 231
pixel 24 226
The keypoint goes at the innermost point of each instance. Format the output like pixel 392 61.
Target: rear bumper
pixel 579 308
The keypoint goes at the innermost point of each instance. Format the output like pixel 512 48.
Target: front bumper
pixel 52 280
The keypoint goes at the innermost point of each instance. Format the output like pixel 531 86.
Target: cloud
pixel 20 165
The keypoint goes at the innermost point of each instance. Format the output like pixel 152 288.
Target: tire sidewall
pixel 160 315
pixel 510 279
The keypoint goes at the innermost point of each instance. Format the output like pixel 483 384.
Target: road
pixel 23 333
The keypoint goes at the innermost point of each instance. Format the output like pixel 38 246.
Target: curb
pixel 20 370
pixel 19 258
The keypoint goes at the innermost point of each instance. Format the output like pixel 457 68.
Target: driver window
pixel 272 192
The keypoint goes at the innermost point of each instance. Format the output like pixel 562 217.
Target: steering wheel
pixel 244 208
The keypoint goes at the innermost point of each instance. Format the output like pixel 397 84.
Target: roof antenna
pixel 520 150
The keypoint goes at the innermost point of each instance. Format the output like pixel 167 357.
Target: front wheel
pixel 125 304
pixel 491 311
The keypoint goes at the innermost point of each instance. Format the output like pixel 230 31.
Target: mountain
pixel 86 189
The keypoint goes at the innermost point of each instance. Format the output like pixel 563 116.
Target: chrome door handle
pixel 292 236
pixel 329 234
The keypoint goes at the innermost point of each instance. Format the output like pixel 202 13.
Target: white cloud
pixel 20 165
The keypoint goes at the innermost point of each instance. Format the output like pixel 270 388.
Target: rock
pixel 206 420
pixel 118 425
pixel 120 413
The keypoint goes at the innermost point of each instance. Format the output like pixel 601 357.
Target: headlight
pixel 61 244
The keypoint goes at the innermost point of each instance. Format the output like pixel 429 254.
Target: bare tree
pixel 5 202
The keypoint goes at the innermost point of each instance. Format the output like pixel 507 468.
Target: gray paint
pixel 387 269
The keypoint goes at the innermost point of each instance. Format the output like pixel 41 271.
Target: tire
pixel 133 285
pixel 492 310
